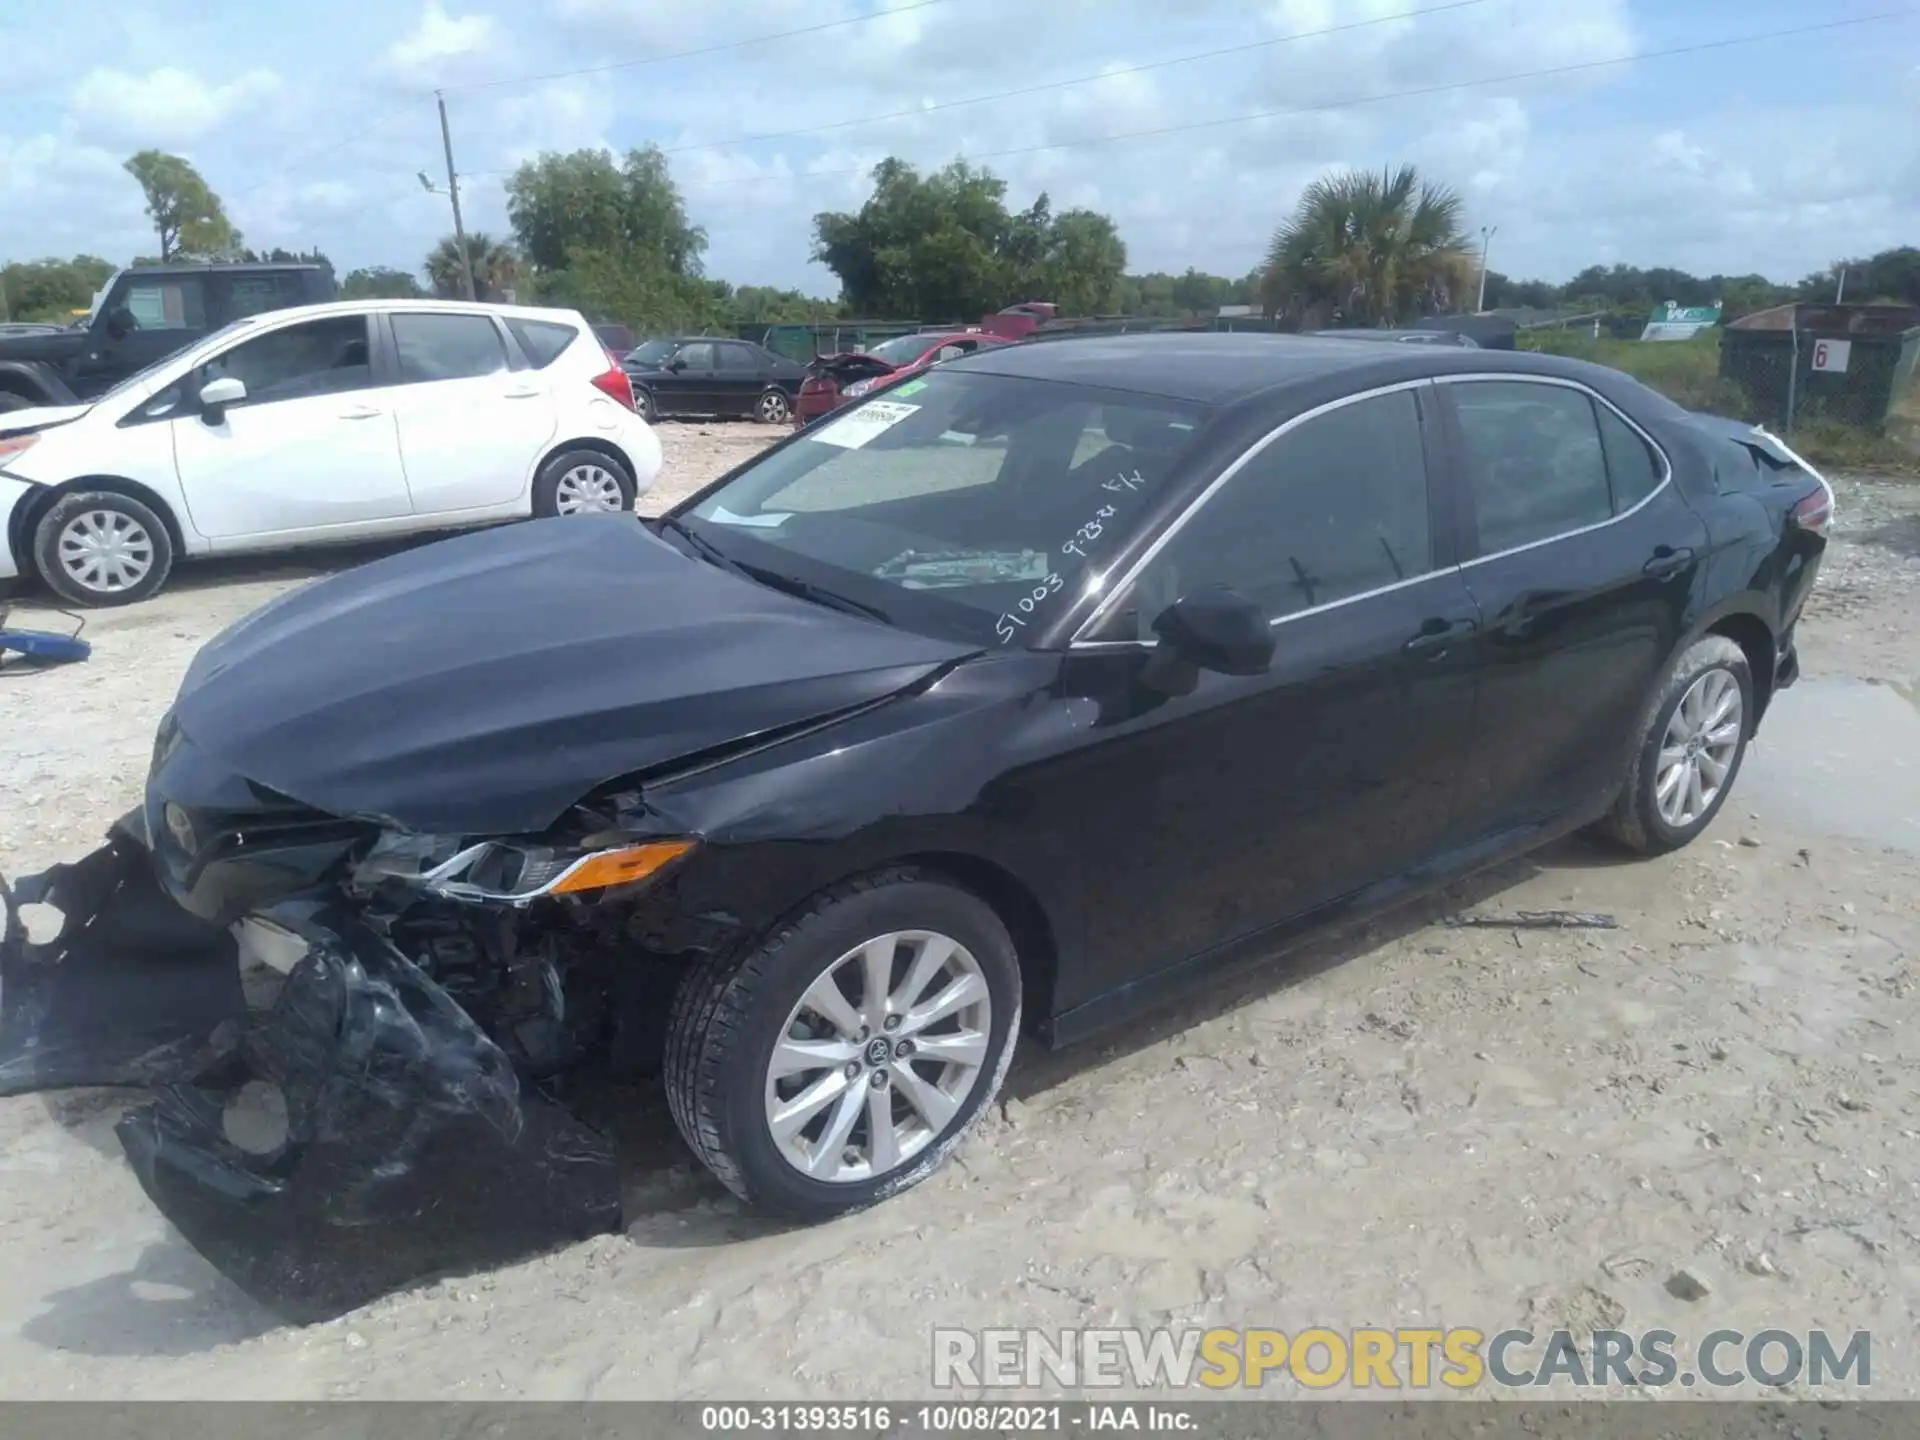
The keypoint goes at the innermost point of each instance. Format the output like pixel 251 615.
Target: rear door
pixel 1581 554
pixel 1253 800
pixel 471 427
pixel 311 448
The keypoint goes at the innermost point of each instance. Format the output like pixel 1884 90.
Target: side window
pixel 172 302
pixel 1332 509
pixel 257 294
pixel 738 358
pixel 696 357
pixel 1632 467
pixel 543 340
pixel 447 347
pixel 321 357
pixel 1533 461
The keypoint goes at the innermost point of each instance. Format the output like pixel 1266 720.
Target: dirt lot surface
pixel 1417 1125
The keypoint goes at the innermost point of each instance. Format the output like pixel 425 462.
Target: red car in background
pixel 832 380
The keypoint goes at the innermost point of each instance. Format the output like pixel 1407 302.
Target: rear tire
pixel 747 1052
pixel 643 403
pixel 1690 749
pixel 582 482
pixel 11 401
pixel 99 549
pixel 773 407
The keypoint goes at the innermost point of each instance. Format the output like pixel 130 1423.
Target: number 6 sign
pixel 1831 356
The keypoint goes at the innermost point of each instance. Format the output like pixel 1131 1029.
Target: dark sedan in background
pixel 705 375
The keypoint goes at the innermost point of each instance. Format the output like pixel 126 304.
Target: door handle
pixel 1436 635
pixel 362 412
pixel 1668 561
pixel 522 395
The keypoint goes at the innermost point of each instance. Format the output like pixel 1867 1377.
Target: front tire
pixel 582 482
pixel 773 408
pixel 11 401
pixel 1690 750
pixel 99 549
pixel 842 1058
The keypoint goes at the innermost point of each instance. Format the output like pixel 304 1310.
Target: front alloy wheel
pixel 878 1056
pixel 841 1058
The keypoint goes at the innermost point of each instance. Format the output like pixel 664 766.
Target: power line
pixel 1413 93
pixel 1215 54
pixel 714 49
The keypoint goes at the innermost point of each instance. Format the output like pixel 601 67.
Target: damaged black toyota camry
pixel 1040 685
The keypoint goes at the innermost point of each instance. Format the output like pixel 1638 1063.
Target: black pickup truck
pixel 142 316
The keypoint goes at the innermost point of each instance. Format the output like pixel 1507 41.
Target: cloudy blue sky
pixel 311 117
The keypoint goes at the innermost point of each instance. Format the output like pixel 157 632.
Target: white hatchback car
pixel 320 424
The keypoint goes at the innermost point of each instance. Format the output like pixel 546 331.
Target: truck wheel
pixel 97 548
pixel 839 1060
pixel 11 401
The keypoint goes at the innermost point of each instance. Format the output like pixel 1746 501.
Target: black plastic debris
pixel 132 991
pixel 409 1147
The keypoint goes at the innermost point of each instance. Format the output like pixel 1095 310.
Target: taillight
pixel 614 382
pixel 1812 512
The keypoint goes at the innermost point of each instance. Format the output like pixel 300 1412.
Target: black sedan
pixel 699 375
pixel 1001 706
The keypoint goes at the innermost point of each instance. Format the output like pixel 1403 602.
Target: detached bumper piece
pixel 132 991
pixel 364 1135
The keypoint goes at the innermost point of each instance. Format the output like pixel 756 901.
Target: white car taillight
pixel 613 381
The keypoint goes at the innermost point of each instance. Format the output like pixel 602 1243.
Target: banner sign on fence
pixel 1680 322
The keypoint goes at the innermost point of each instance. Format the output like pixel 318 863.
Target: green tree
pixel 186 214
pixel 51 289
pixel 944 247
pixel 383 282
pixel 1371 247
pixel 496 267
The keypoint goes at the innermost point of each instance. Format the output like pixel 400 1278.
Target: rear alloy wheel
pixel 841 1060
pixel 97 548
pixel 1690 751
pixel 774 408
pixel 643 404
pixel 582 482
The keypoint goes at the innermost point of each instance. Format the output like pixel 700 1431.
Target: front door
pixel 1253 800
pixel 151 317
pixel 471 430
pixel 311 446
pixel 1581 556
pixel 689 385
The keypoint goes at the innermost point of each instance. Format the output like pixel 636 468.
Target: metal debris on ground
pixel 1533 920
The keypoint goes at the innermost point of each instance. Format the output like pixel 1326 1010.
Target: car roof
pixel 370 307
pixel 1224 367
pixel 202 267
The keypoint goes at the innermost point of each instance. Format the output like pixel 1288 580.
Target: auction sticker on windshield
pixel 855 428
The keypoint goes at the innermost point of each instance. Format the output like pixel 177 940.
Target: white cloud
pixel 441 46
pixel 167 107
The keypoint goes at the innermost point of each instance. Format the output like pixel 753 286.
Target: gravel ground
pixel 1414 1125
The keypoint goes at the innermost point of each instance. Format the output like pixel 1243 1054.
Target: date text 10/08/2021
pixel 943 1418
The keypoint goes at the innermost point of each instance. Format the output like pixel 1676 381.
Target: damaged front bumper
pixel 360 1135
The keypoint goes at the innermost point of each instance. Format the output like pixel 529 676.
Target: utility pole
pixel 453 194
pixel 1840 291
pixel 1486 243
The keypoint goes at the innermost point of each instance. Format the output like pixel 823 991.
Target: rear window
pixel 543 340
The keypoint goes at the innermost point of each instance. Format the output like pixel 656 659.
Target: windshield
pixel 212 342
pixel 653 352
pixel 968 503
pixel 904 349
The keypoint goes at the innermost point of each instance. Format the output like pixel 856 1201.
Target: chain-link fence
pixel 1812 365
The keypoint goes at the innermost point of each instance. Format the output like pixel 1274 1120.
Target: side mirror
pixel 1217 629
pixel 676 364
pixel 217 395
pixel 120 323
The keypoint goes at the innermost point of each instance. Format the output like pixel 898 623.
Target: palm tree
pixel 1373 248
pixel 496 265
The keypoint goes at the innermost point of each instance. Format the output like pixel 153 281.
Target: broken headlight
pixel 511 871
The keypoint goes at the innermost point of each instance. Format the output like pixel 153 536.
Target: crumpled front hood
pixel 481 685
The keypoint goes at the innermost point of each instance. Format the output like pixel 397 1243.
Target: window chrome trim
pixel 1666 463
pixel 1179 522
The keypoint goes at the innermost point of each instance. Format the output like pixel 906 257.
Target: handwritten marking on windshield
pixel 1123 482
pixel 1088 532
pixel 1011 622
